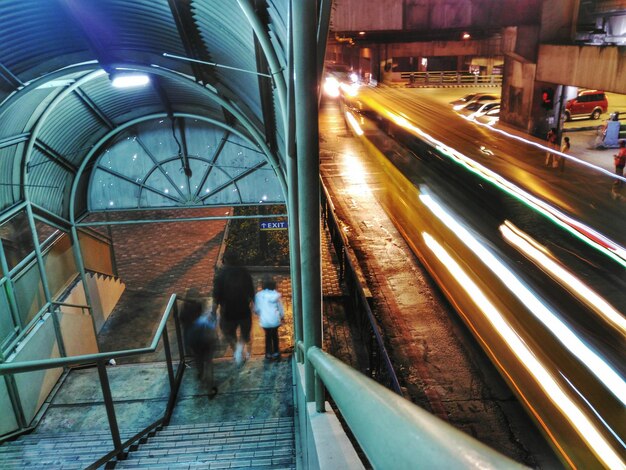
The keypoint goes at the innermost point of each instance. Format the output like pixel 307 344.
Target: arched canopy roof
pixel 59 112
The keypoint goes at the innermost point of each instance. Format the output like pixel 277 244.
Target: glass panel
pixel 7 325
pixel 97 255
pixel 29 293
pixel 16 239
pixel 60 265
pixel 46 234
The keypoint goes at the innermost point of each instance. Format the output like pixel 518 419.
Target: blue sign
pixel 273 225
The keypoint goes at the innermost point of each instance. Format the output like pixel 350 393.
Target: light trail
pixel 575 227
pixel 537 253
pixel 544 379
pixel 562 333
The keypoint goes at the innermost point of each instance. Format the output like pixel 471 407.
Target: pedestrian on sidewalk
pixel 552 143
pixel 269 308
pixel 559 160
pixel 620 160
pixel 233 293
pixel 200 335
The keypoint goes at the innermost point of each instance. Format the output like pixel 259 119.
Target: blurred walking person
pixel 620 160
pixel 552 143
pixel 559 160
pixel 200 335
pixel 269 308
pixel 233 293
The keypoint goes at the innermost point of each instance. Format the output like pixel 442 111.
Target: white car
pixel 484 109
pixel 490 117
pixel 475 108
pixel 474 97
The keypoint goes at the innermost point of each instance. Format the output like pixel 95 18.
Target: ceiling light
pixel 128 80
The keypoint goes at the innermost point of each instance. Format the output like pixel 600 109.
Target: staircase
pixel 249 424
pixel 267 443
pixel 68 450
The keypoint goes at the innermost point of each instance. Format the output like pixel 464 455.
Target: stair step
pixel 196 435
pixel 252 447
pixel 68 436
pixel 227 462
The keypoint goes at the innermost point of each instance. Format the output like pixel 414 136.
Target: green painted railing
pixel 392 431
pixel 101 359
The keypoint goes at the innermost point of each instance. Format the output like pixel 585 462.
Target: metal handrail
pixel 346 266
pixel 447 77
pixel 404 432
pixel 29 366
pixel 101 359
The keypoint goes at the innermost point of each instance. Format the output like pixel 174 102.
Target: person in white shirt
pixel 269 308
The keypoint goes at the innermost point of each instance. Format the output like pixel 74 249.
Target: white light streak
pixel 573 284
pixel 586 429
pixel 582 231
pixel 562 333
pixel 354 124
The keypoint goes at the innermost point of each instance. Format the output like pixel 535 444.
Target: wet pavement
pixel 437 360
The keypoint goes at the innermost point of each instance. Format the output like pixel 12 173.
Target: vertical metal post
pixel 111 245
pixel 44 278
pixel 319 395
pixel 78 257
pixel 322 35
pixel 179 335
pixel 108 404
pixel 305 68
pixel 9 288
pixel 16 401
pixel 292 199
pixel 168 358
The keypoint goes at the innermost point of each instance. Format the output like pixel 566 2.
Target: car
pixel 462 101
pixel 590 103
pixel 490 117
pixel 474 97
pixel 478 108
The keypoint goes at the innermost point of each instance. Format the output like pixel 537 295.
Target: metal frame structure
pixel 43 101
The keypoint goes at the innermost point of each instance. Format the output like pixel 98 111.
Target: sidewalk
pixel 582 141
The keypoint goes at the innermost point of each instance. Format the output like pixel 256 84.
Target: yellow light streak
pixel 562 333
pixel 584 232
pixel 529 247
pixel 354 124
pixel 585 428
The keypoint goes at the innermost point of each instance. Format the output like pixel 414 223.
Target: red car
pixel 590 103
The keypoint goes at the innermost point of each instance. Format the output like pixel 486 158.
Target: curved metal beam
pixel 257 137
pixel 104 139
pixel 270 53
pixel 42 119
pixel 34 84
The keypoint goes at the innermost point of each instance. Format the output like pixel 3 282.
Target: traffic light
pixel 547 98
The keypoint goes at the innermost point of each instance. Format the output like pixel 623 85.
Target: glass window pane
pixel 29 293
pixel 46 234
pixel 60 264
pixel 7 326
pixel 16 239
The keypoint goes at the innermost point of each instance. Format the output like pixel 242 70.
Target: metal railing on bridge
pixel 448 78
pixel 379 364
pixel 101 360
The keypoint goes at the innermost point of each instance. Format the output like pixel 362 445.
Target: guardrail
pixel 380 367
pixel 449 78
pixel 101 359
pixel 401 435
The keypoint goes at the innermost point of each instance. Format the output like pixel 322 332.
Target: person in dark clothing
pixel 233 292
pixel 200 335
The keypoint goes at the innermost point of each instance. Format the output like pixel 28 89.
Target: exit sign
pixel 273 225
